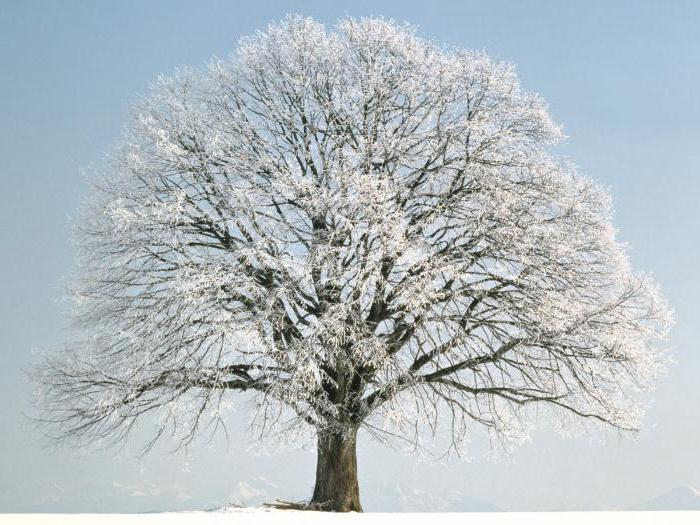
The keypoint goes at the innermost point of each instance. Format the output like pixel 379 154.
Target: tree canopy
pixel 361 228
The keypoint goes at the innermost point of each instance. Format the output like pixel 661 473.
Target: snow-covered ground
pixel 250 516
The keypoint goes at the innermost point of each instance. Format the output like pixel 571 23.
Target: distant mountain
pixel 380 496
pixel 678 498
pixel 395 497
pixel 253 492
pixel 387 496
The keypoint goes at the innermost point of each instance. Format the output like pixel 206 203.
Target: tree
pixel 361 229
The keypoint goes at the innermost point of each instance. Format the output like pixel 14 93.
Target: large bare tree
pixel 364 230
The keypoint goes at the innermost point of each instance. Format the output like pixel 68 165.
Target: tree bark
pixel 336 473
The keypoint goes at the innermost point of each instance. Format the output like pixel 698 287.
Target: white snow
pixel 254 516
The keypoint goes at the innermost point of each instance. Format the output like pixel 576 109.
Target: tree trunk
pixel 336 473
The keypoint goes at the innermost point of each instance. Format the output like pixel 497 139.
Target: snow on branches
pixel 358 227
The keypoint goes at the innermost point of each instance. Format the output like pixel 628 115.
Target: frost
pixel 358 229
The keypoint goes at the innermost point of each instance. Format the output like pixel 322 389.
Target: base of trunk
pixel 336 486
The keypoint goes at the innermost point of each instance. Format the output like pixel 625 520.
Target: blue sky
pixel 622 77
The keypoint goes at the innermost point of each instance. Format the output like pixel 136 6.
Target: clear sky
pixel 622 77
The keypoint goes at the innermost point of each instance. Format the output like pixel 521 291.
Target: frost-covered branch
pixel 361 228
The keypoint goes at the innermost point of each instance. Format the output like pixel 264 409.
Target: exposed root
pixel 295 505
